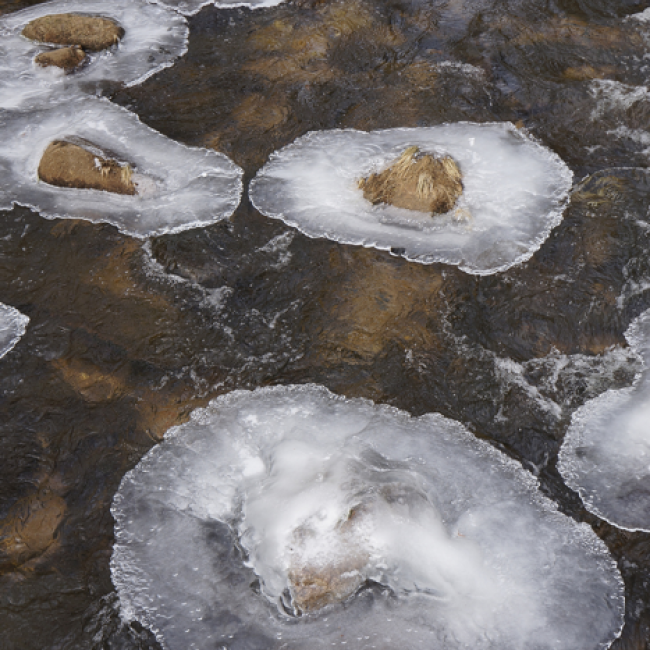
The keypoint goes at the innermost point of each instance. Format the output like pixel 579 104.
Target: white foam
pixel 605 456
pixel 191 7
pixel 469 552
pixel 12 327
pixel 514 190
pixel 154 38
pixel 183 187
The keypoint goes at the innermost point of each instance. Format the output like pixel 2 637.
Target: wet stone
pixel 93 33
pixel 68 58
pixel 66 164
pixel 416 182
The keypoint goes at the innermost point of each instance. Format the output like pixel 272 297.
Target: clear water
pixel 126 337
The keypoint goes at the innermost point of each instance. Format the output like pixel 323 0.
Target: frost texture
pixel 191 7
pixel 457 546
pixel 181 187
pixel 154 38
pixel 515 191
pixel 12 327
pixel 605 456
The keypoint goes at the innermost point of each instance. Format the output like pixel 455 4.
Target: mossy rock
pixel 416 182
pixel 67 58
pixel 66 164
pixel 92 33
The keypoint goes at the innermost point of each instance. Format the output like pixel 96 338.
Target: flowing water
pixel 126 336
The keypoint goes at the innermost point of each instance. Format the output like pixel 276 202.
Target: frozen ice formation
pixel 191 7
pixel 514 193
pixel 12 327
pixel 605 456
pixel 154 38
pixel 178 187
pixel 231 532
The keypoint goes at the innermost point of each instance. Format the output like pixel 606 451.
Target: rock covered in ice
pixel 605 455
pixel 83 166
pixel 514 193
pixel 92 33
pixel 67 58
pixel 177 187
pixel 12 327
pixel 154 37
pixel 416 182
pixel 288 500
pixel 191 7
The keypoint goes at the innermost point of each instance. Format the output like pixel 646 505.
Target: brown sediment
pixel 68 58
pixel 93 33
pixel 416 182
pixel 588 72
pixel 30 528
pixel 65 164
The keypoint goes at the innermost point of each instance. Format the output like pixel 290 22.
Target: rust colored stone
pixel 92 33
pixel 416 182
pixel 65 164
pixel 68 58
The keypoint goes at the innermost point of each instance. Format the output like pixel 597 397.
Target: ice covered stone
pixel 289 517
pixel 514 193
pixel 12 326
pixel 66 164
pixel 605 455
pixel 416 181
pixel 153 38
pixel 176 187
pixel 92 33
pixel 67 58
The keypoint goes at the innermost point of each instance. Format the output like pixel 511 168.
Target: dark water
pixel 121 346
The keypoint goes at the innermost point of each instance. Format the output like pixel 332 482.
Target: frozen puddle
pixel 12 327
pixel 514 193
pixel 178 187
pixel 154 38
pixel 191 7
pixel 273 503
pixel 606 452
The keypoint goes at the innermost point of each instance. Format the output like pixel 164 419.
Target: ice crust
pixel 12 327
pixel 469 553
pixel 605 456
pixel 154 38
pixel 181 187
pixel 191 7
pixel 515 192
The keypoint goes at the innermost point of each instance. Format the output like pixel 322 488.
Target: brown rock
pixel 67 58
pixel 314 583
pixel 65 164
pixel 314 587
pixel 416 182
pixel 92 33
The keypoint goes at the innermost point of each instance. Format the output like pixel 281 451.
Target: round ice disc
pixel 514 193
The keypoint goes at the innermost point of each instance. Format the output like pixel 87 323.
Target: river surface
pixel 127 337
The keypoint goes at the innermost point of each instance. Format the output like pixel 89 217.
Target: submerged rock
pixel 67 58
pixel 93 33
pixel 66 164
pixel 416 182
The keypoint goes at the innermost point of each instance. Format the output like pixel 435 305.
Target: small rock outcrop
pixel 416 182
pixel 92 33
pixel 67 58
pixel 66 164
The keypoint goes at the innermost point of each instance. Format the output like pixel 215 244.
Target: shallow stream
pixel 127 336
